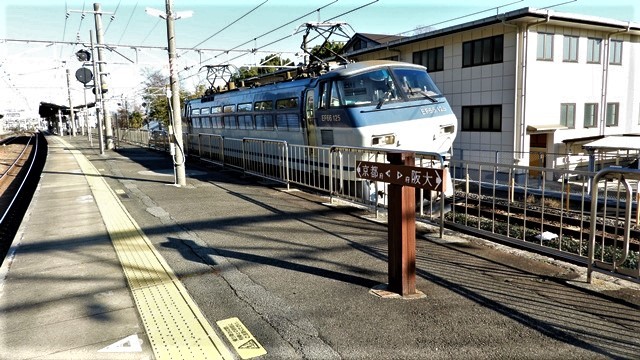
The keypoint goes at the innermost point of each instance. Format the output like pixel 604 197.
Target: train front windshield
pixel 387 86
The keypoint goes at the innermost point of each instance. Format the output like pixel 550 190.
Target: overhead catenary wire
pixel 128 22
pixel 226 27
pixel 81 21
pixel 66 19
pixel 267 33
pixel 278 28
pixel 295 33
pixel 151 31
pixel 113 17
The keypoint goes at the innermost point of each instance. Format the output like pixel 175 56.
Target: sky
pixel 33 62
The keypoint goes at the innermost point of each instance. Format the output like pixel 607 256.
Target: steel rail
pixel 17 193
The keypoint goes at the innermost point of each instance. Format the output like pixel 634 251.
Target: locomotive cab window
pixel 365 89
pixel 416 84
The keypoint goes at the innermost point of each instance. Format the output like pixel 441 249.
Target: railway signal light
pixel 83 55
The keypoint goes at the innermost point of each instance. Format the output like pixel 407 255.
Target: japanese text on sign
pixel 418 177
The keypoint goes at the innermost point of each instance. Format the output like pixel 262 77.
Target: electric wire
pixel 80 24
pixel 128 22
pixel 277 28
pixel 113 17
pixel 226 27
pixel 66 19
pixel 267 33
pixel 151 31
pixel 295 33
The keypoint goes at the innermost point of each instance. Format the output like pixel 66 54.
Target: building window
pixel 593 50
pixel 482 51
pixel 590 115
pixel 487 118
pixel 545 46
pixel 359 44
pixel 570 49
pixel 615 52
pixel 432 59
pixel 568 115
pixel 612 114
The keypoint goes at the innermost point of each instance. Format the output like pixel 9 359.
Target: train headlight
pixel 449 129
pixel 387 139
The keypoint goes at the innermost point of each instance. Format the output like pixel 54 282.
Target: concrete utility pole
pixel 98 92
pixel 71 114
pixel 101 69
pixel 178 152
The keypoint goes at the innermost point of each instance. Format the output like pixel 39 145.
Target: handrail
pixel 615 266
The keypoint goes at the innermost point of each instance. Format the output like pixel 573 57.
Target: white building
pixel 527 81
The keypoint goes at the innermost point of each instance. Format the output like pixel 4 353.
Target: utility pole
pixel 102 74
pixel 71 115
pixel 97 88
pixel 175 117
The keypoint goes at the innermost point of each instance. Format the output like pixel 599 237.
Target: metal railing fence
pixel 546 210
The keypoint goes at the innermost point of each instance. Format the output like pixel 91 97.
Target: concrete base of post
pixel 382 291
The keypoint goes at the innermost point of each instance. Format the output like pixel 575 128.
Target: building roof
pixel 376 39
pixel 48 109
pixel 627 142
pixel 523 15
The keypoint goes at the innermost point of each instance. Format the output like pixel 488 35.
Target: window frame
pixel 569 43
pixel 546 37
pixel 473 118
pixel 594 116
pixel 473 51
pixel 431 56
pixel 615 106
pixel 592 45
pixel 568 115
pixel 615 51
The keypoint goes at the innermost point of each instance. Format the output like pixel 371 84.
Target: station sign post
pixel 403 178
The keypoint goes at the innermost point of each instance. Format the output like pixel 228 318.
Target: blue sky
pixel 35 70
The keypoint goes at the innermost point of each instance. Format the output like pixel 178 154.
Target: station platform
pixel 113 261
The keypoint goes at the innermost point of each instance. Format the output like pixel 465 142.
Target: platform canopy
pixel 47 110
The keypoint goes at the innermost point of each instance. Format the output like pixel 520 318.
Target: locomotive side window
pixel 216 120
pixel 263 105
pixel 289 121
pixel 264 121
pixel 324 94
pixel 205 120
pixel 195 120
pixel 336 98
pixel 244 107
pixel 245 121
pixel 290 103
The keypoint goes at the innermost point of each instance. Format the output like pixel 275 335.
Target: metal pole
pixel 102 74
pixel 175 125
pixel 86 116
pixel 71 115
pixel 98 91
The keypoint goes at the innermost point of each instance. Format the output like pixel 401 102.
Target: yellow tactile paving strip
pixel 174 324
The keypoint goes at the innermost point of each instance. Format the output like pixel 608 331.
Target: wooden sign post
pixel 403 177
pixel 402 231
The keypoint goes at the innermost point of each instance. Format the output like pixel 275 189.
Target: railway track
pixel 22 158
pixel 529 221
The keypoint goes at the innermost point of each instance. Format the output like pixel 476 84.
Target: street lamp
pixel 175 123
